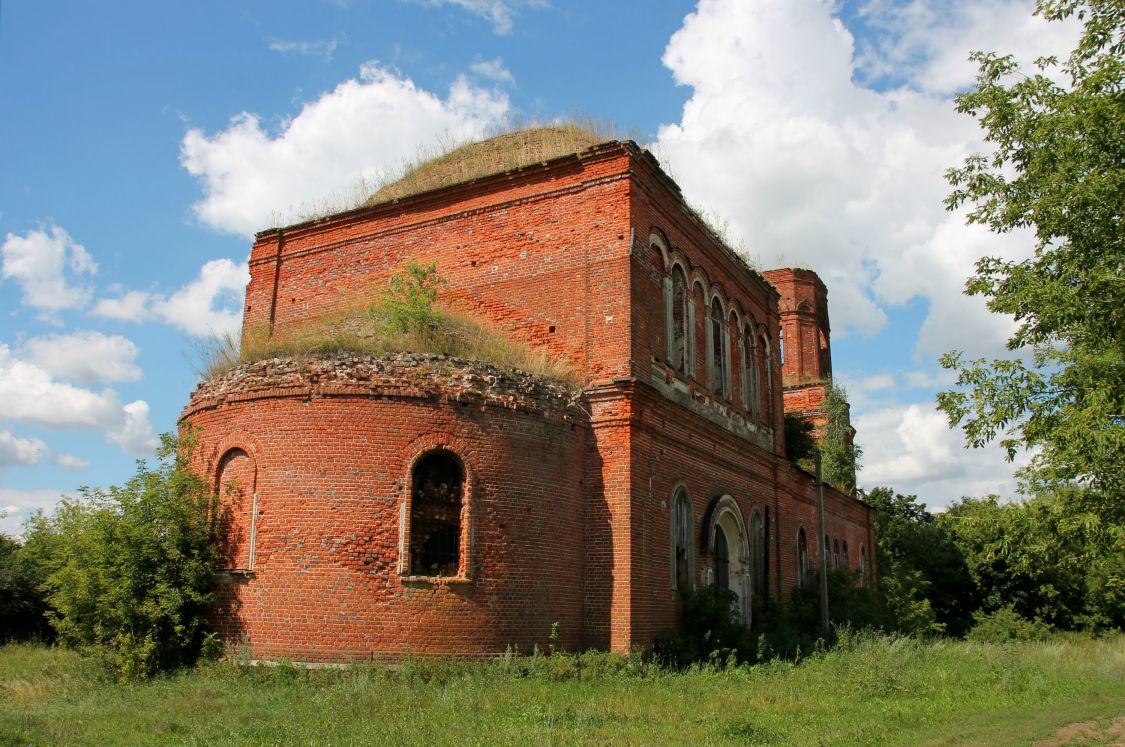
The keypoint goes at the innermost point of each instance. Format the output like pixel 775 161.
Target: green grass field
pixel 870 690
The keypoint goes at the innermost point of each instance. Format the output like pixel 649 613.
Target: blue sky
pixel 143 143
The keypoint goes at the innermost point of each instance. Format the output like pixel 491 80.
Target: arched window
pixel 436 503
pixel 802 558
pixel 836 554
pixel 781 343
pixel 826 554
pixel 676 316
pixel 683 527
pixel 767 364
pixel 847 558
pixel 752 394
pixel 862 565
pixel 237 490
pixel 719 352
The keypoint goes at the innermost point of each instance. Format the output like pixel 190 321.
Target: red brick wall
pixel 332 449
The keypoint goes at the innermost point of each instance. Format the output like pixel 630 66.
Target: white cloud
pixel 87 356
pixel 69 461
pixel 361 130
pixel 129 307
pixel 135 434
pixel 810 165
pixel 30 394
pixel 20 451
pixel 17 506
pixel 41 261
pixel 500 13
pixel 323 48
pixel 493 70
pixel 210 304
pixel 912 449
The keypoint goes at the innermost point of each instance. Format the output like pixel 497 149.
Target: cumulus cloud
pixel 20 451
pixel 134 433
pixel 781 136
pixel 131 306
pixel 17 506
pixel 912 449
pixel 359 131
pixel 210 304
pixel 493 70
pixel 87 356
pixel 46 264
pixel 31 394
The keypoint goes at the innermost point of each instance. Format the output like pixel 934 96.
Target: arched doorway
pixel 728 547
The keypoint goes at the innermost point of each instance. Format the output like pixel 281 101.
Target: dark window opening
pixel 682 538
pixel 435 515
pixel 679 320
pixel 722 559
pixel 802 558
pixel 718 356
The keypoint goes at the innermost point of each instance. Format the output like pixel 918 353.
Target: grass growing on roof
pixel 406 317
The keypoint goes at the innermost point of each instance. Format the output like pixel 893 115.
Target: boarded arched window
pixel 436 507
pixel 235 484
pixel 683 524
pixel 802 558
pixel 719 352
pixel 677 316
pixel 753 391
pixel 847 558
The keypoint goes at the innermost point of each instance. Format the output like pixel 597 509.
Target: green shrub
pixel 23 610
pixel 1005 625
pixel 709 632
pixel 131 569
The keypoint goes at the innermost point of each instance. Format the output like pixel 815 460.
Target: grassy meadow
pixel 870 690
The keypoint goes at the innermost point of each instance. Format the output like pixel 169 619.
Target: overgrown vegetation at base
pixel 405 316
pixel 126 574
pixel 868 690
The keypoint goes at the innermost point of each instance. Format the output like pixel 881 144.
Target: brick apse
pixel 421 504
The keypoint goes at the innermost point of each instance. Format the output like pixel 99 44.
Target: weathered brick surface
pixel 568 511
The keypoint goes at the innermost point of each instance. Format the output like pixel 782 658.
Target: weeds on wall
pixel 405 316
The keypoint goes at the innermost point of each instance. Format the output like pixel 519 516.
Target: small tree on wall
pixel 839 455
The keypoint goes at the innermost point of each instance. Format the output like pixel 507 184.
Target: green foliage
pixel 1058 167
pixel 23 611
pixel 408 303
pixel 130 570
pixel 800 445
pixel 839 455
pixel 709 631
pixel 923 576
pixel 1058 558
pixel 1004 626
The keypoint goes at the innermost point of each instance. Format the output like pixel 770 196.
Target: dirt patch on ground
pixel 1088 733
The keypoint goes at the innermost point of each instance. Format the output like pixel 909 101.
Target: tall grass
pixel 868 690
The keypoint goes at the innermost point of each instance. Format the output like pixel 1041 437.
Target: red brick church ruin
pixel 420 504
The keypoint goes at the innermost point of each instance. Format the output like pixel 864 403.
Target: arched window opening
pixel 753 392
pixel 719 353
pixel 677 315
pixel 767 364
pixel 781 343
pixel 722 559
pixel 236 488
pixel 802 558
pixel 836 554
pixel 437 498
pixel 682 532
pixel 847 558
pixel 862 565
pixel 826 554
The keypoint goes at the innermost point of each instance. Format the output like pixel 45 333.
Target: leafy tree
pixel 800 444
pixel 130 570
pixel 1058 558
pixel 923 578
pixel 407 304
pixel 23 611
pixel 838 453
pixel 1059 168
